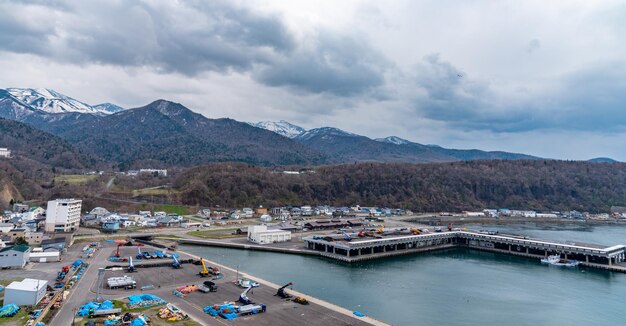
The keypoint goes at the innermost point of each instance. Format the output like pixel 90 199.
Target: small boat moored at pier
pixel 556 260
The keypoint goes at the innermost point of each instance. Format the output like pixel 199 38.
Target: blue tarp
pixel 138 322
pixel 9 310
pixel 89 306
pixel 145 300
pixel 220 311
pixel 358 314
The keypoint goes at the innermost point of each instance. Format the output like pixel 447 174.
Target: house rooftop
pixel 20 247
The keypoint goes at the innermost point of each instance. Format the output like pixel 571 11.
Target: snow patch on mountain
pixel 281 127
pixel 325 132
pixel 108 108
pixel 393 140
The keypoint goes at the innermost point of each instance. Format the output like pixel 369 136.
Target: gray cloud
pixel 337 65
pixel 191 38
pixel 586 100
pixel 184 37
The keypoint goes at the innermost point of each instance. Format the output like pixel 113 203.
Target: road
pixel 81 291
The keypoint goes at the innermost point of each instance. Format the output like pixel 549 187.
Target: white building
pixel 45 256
pixel 25 293
pixel 246 212
pixel 158 172
pixel 14 257
pixel 63 215
pixel 261 235
pixel 6 227
pixel 5 152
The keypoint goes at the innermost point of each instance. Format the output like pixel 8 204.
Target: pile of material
pixel 113 321
pixel 187 289
pixel 171 313
pixel 91 306
pixel 144 301
pixel 226 311
pixel 9 310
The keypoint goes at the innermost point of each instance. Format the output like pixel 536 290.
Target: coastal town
pixel 113 259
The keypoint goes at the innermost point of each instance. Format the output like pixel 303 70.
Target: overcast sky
pixel 546 78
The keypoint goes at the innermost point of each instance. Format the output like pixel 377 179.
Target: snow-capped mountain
pixel 323 132
pixel 393 140
pixel 108 108
pixel 50 101
pixel 281 127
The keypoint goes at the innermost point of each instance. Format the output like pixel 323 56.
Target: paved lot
pixel 279 312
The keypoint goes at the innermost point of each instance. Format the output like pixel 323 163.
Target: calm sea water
pixel 457 286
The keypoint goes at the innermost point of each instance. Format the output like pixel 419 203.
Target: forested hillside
pixel 539 185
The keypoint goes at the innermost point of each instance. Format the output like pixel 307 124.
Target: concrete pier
pixel 611 258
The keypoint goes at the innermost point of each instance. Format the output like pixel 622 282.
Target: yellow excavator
pixel 209 271
pixel 204 272
pixel 381 230
pixel 416 231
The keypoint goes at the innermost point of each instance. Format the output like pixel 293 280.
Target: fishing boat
pixel 556 260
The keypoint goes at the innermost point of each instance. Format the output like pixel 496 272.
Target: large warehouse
pixel 25 293
pixel 261 235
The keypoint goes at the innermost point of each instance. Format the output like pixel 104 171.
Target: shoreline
pixel 312 299
pixel 430 220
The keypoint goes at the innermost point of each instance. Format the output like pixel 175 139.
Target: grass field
pixel 215 234
pixel 74 178
pixel 154 191
pixel 173 209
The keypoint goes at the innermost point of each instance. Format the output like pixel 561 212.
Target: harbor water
pixel 455 286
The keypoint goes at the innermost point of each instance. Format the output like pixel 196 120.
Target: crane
pixel 204 272
pixel 117 252
pixel 243 297
pixel 281 291
pixel 176 263
pixel 131 267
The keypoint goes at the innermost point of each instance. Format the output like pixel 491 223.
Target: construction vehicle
pixel 243 297
pixel 131 267
pixel 207 286
pixel 139 254
pixel 176 263
pixel 381 229
pixel 281 291
pixel 301 300
pixel 117 252
pixel 209 271
pixel 416 231
pixel 204 272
